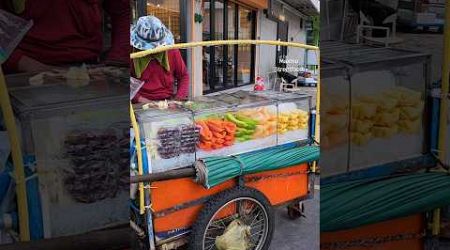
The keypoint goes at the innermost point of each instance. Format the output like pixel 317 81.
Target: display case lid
pixel 202 103
pixel 243 99
pixel 151 112
pixel 281 96
pixel 356 54
pixel 61 94
pixel 225 98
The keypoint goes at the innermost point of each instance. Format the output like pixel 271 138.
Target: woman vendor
pixel 160 72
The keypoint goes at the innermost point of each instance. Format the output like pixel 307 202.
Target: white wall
pixel 197 55
pixel 296 34
pixel 267 30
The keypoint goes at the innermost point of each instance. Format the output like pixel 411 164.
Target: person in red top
pixel 159 72
pixel 68 32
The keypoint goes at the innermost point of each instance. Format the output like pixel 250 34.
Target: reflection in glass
pixel 218 50
pixel 168 11
pixel 206 50
pixel 230 69
pixel 244 51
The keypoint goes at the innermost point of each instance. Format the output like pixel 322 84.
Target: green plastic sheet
pixel 213 171
pixel 353 204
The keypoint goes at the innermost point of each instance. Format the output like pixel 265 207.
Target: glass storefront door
pixel 227 66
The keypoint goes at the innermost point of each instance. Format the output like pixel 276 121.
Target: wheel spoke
pixel 260 232
pixel 211 247
pixel 256 217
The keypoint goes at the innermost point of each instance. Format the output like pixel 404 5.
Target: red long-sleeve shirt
pixel 159 83
pixel 70 31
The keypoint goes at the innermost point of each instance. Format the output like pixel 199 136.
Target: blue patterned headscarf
pixel 149 32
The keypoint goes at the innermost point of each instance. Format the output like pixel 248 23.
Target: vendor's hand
pixel 27 64
pixel 141 99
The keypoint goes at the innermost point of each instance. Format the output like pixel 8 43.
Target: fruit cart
pixel 214 166
pixel 374 220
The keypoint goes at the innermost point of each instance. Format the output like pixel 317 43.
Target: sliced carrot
pixel 204 138
pixel 216 123
pixel 214 128
pixel 218 135
pixel 229 137
pixel 204 146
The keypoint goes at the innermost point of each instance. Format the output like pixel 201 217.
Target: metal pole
pixel 139 158
pixel 444 107
pixel 445 87
pixel 163 176
pixel 16 151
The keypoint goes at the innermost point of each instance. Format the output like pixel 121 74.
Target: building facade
pixel 223 67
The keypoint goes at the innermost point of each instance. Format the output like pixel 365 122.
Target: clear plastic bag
pixel 135 86
pixel 235 237
pixel 12 30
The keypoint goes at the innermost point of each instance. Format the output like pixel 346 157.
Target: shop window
pixel 244 68
pixel 170 13
pixel 227 66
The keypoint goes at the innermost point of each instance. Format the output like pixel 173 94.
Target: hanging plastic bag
pixel 235 237
pixel 12 30
pixel 135 86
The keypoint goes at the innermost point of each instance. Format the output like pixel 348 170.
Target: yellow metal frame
pixel 16 151
pixel 445 87
pixel 442 146
pixel 214 43
pixel 218 43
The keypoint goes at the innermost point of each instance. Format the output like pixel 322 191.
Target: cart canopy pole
pixel 442 147
pixel 16 151
pixel 137 137
pixel 220 42
pixel 445 87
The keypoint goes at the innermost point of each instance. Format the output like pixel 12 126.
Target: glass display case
pixel 217 134
pixel 334 118
pixel 170 137
pixel 387 100
pixel 249 121
pixel 74 133
pixel 293 112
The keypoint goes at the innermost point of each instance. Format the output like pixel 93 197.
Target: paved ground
pixel 301 234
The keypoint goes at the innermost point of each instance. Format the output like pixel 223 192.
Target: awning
pixel 307 7
pixel 259 4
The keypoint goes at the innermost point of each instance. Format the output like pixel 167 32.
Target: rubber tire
pixel 220 199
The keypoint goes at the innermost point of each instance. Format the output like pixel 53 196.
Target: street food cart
pixel 232 157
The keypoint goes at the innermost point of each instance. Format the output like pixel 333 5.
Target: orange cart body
pixel 413 226
pixel 279 186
